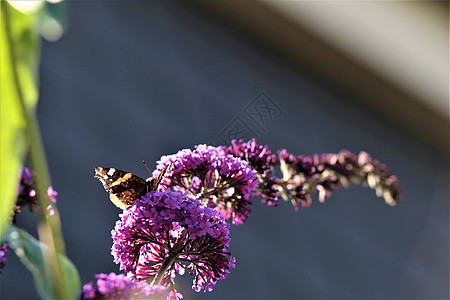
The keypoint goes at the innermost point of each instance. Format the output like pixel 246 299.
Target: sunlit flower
pixel 220 180
pixel 165 233
pixel 51 194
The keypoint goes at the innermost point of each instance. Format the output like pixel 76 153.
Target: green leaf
pixel 17 32
pixel 30 250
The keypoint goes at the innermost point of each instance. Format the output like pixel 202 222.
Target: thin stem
pixel 173 254
pixel 49 229
pixel 164 267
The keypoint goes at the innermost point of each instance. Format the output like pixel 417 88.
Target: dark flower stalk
pixel 28 195
pixel 304 175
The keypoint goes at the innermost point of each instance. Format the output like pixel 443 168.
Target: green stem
pixel 49 229
pixel 173 254
pixel 164 267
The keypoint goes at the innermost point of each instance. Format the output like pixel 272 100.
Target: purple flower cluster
pixel 27 194
pixel 261 159
pixel 119 286
pixel 220 180
pixel 3 250
pixel 167 232
pixel 304 175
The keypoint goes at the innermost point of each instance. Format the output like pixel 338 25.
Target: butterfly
pixel 125 188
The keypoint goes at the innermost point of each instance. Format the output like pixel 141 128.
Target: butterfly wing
pixel 124 188
pixel 153 182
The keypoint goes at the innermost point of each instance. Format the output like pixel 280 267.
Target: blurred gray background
pixel 133 81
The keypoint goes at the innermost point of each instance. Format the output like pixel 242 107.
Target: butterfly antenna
pixel 146 167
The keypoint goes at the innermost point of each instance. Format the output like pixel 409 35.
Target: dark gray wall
pixel 137 80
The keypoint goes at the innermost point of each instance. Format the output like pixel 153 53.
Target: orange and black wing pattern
pixel 124 188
